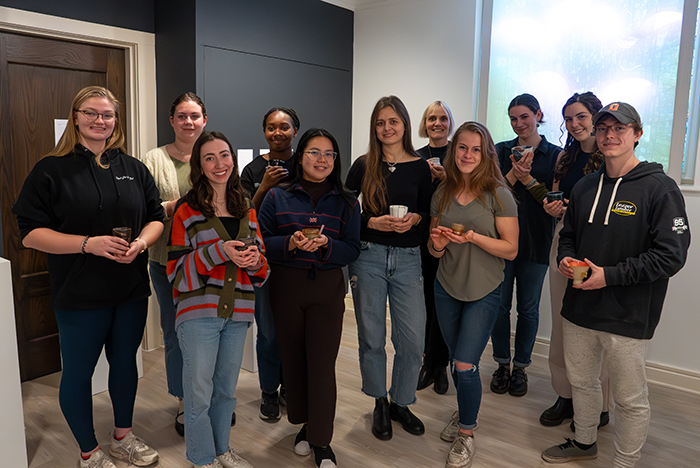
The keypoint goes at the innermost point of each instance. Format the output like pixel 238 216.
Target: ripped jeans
pixel 466 327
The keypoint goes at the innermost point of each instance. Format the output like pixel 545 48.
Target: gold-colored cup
pixel 310 233
pixel 458 229
pixel 122 233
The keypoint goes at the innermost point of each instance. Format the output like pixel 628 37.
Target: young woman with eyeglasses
pixel 170 167
pixel 214 273
pixel 389 265
pixel 69 205
pixel 579 157
pixel 311 228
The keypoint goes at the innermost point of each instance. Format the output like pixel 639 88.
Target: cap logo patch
pixel 613 107
pixel 679 225
pixel 624 208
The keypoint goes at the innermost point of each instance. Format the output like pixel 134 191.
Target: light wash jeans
pixel 466 327
pixel 173 355
pixel 212 351
pixel 585 351
pixel 529 277
pixel 267 348
pixel 383 271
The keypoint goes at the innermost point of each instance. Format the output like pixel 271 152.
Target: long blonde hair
pixel 373 189
pixel 71 136
pixel 486 177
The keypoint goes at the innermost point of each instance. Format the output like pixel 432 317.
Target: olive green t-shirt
pixel 466 271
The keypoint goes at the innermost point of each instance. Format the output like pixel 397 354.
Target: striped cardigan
pixel 201 273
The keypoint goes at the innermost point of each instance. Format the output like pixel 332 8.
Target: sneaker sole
pixel 269 419
pixel 549 459
pixel 303 452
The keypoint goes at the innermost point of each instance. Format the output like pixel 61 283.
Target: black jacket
pixel 73 195
pixel 636 228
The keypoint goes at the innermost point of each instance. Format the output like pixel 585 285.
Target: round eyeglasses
pixel 317 155
pixel 92 115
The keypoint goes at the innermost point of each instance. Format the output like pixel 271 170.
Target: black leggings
pixel 308 317
pixel 82 334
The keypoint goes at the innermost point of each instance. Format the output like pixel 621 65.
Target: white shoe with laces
pixel 97 459
pixel 231 459
pixel 462 452
pixel 134 450
pixel 214 464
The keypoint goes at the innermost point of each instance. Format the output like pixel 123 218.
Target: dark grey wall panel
pixel 129 14
pixel 309 31
pixel 176 48
pixel 240 88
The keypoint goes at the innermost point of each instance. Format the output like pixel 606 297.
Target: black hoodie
pixel 636 228
pixel 73 195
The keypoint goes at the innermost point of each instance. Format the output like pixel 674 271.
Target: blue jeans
pixel 173 355
pixel 383 271
pixel 267 348
pixel 466 327
pixel 212 351
pixel 82 334
pixel 530 278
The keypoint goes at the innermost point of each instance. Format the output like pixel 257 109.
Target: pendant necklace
pixel 392 166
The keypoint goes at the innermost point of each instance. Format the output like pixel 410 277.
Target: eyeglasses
pixel 317 155
pixel 618 129
pixel 92 115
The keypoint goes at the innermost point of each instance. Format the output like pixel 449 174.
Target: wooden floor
pixel 509 433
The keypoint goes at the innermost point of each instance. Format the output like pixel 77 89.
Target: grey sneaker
pixel 98 459
pixel 461 453
pixel 449 433
pixel 568 451
pixel 133 449
pixel 231 459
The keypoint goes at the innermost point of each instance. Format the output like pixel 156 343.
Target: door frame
pixel 140 49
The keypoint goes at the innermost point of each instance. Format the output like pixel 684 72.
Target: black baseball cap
pixel 622 111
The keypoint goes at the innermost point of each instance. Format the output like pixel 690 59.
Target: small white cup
pixel 435 161
pixel 398 211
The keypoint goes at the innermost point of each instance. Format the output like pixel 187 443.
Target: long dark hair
pixel 529 101
pixel 200 197
pixel 572 147
pixel 373 189
pixel 486 177
pixel 296 172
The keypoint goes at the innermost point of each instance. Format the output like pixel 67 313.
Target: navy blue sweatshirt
pixel 283 212
pixel 636 228
pixel 73 195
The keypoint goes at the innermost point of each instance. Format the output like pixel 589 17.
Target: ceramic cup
pixel 398 211
pixel 554 196
pixel 310 233
pixel 275 162
pixel 520 151
pixel 580 271
pixel 458 229
pixel 122 233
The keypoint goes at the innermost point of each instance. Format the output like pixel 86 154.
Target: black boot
pixel 562 409
pixel 426 376
pixel 441 384
pixel 381 421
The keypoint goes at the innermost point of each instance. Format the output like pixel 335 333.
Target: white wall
pixel 420 51
pixel 399 48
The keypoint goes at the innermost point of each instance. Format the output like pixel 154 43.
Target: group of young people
pixel 441 233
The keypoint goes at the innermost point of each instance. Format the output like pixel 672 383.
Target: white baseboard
pixel 679 379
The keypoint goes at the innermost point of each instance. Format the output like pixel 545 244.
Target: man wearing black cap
pixel 628 223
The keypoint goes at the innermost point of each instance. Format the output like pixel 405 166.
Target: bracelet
pixel 145 244
pixel 436 250
pixel 531 184
pixel 83 245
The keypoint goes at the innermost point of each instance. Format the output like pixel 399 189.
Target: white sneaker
pixel 133 449
pixel 214 464
pixel 461 453
pixel 449 433
pixel 98 459
pixel 231 459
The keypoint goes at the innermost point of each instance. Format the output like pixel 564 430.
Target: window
pixel 622 51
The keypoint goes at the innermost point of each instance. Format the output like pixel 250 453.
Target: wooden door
pixel 38 79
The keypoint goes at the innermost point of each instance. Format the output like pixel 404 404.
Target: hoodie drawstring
pixel 597 198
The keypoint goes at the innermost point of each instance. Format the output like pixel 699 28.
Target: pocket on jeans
pixel 413 250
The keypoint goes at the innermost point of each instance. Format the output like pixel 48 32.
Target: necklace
pixel 392 166
pixel 178 149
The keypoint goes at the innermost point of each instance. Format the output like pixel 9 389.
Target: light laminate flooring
pixel 509 432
